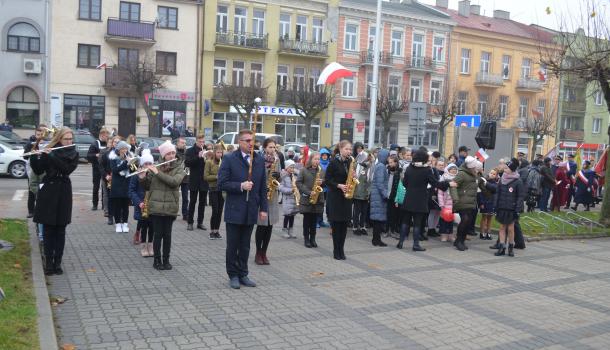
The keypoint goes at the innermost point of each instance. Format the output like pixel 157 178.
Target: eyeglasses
pixel 248 140
pixel 67 139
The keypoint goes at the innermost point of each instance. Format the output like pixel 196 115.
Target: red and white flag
pixel 482 155
pixel 102 65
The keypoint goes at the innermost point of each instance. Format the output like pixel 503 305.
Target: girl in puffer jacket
pixel 486 203
pixel 289 205
pixel 445 202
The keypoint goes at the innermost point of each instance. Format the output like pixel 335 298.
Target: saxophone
pixel 272 184
pixel 316 189
pixel 145 208
pixel 295 190
pixel 352 181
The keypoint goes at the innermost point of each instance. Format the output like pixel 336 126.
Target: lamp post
pixel 374 84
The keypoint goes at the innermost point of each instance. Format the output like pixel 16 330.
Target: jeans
pixel 544 199
pixel 445 227
pixel 217 202
pixel 360 213
pixel 120 207
pixel 200 209
pixel 97 178
pixel 105 202
pixel 417 219
pixel 54 242
pixel 184 189
pixel 238 249
pixel 163 232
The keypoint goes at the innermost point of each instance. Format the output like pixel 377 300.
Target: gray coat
pixel 273 211
pixel 379 188
pixel 289 205
pixel 305 182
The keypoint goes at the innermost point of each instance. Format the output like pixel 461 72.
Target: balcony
pixel 572 135
pixel 122 31
pixel 120 79
pixel 367 57
pixel 488 80
pixel 574 106
pixel 420 63
pixel 303 48
pixel 529 85
pixel 243 41
pixel 238 93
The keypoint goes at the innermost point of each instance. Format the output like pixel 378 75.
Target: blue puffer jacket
pixel 136 195
pixel 379 188
pixel 324 163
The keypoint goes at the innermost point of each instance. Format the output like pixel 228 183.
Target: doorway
pixel 346 131
pixel 127 116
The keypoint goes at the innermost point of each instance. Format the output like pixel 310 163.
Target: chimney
pixel 464 8
pixel 501 14
pixel 442 4
pixel 475 9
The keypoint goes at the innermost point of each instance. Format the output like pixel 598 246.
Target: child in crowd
pixel 289 205
pixel 445 202
pixel 137 195
pixel 393 211
pixel 510 194
pixel 485 201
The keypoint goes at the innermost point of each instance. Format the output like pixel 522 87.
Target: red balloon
pixel 447 214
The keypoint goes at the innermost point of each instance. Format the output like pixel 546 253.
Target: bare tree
pixel 581 48
pixel 308 101
pixel 241 97
pixel 443 114
pixel 541 125
pixel 388 104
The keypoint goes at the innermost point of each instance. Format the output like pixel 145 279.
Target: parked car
pixel 190 141
pixel 153 144
pixel 6 140
pixel 13 139
pixel 11 161
pixel 298 148
pixel 230 138
pixel 82 142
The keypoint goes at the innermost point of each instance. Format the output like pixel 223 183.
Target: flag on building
pixel 482 155
pixel 542 73
pixel 332 72
pixel 536 113
pixel 102 65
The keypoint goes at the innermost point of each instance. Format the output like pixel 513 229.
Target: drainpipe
pixel 46 63
pixel 198 65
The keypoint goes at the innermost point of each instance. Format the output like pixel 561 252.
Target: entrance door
pixel 347 129
pixel 127 116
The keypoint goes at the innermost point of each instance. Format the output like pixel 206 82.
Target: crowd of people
pixel 397 192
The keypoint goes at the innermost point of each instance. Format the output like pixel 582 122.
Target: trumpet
pixel 40 151
pixel 146 169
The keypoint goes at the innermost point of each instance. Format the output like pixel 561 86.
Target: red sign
pixel 348 115
pixel 360 126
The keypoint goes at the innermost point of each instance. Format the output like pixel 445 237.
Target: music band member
pixel 54 198
pixel 137 195
pixel 265 226
pixel 195 161
pixel 310 177
pixel 106 173
pixel 246 202
pixel 93 157
pixel 120 184
pixel 216 199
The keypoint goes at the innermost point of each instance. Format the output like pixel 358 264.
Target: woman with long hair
pixel 336 177
pixel 311 175
pixel 264 227
pixel 509 198
pixel 210 174
pixel 54 199
pixel 133 145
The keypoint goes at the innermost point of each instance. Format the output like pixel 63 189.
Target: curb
pixel 564 237
pixel 46 327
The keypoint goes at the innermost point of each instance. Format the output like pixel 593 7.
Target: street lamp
pixel 374 85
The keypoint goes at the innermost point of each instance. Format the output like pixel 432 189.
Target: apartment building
pixel 276 46
pixel 413 67
pixel 24 69
pixel 98 47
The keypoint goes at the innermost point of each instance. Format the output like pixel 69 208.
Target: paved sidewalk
pixel 553 295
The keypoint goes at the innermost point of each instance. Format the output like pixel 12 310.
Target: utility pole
pixel 374 84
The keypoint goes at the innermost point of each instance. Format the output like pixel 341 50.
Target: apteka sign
pixel 273 110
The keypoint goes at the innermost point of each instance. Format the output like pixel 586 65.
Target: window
pixel 285 26
pixel 369 83
pixel 239 22
pixel 390 138
pixel 130 11
pixel 282 77
pixel 258 22
pixel 238 73
pixel 435 92
pixel 22 108
pixel 230 122
pixel 301 34
pixel 438 54
pixel 465 68
pixel 526 68
pixel 351 35
pixel 314 74
pixel 418 46
pixel 256 74
pixel 167 17
pixel 220 72
pixel 293 130
pixel 415 93
pixel 23 37
pixel 572 123
pixel 88 56
pixel 394 87
pixel 523 103
pixel 597 125
pixel 298 82
pixel 166 62
pixel 128 58
pixel 347 90
pixel 90 9
pixel 505 67
pixel 482 106
pixel 503 107
pixel 569 94
pixel 396 43
pixel 541 106
pixel 318 30
pixel 485 59
pixel 598 98
pixel 84 112
pixel 462 102
pixel 372 30
pixel 222 18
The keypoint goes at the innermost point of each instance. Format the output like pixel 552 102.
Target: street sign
pixel 468 121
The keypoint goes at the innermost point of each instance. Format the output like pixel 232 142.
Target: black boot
pixel 460 245
pixel 336 253
pixel 510 250
pixel 417 247
pixel 399 245
pixel 363 232
pixel 49 267
pixel 481 235
pixel 157 263
pixel 57 266
pixel 501 250
pixel 166 264
pixel 497 245
pixel 432 233
pixel 312 240
pixel 110 221
pixel 306 240
pixel 357 232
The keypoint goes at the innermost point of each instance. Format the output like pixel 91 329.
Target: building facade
pixel 101 47
pixel 23 44
pixel 413 67
pixel 275 46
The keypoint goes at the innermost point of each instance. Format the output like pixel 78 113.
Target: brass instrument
pixel 146 169
pixel 352 181
pixel 222 144
pixel 295 190
pixel 133 164
pixel 272 184
pixel 145 208
pixel 316 189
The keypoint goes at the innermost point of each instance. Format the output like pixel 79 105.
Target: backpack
pixel 534 181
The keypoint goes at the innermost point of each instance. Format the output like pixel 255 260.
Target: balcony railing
pixel 419 63
pixel 240 92
pixel 574 106
pixel 243 39
pixel 119 78
pixel 527 84
pixel 367 57
pixel 488 79
pixel 130 30
pixel 304 47
pixel 572 135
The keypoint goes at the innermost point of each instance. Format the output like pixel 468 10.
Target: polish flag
pixel 332 72
pixel 102 65
pixel 482 155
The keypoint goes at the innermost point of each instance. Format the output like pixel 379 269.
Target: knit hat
pixel 289 163
pixel 478 165
pixel 471 162
pixel 166 147
pixel 513 164
pixel 146 157
pixel 450 166
pixel 122 144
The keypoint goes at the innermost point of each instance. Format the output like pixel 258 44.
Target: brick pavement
pixel 553 295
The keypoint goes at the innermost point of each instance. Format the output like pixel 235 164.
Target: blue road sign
pixel 468 121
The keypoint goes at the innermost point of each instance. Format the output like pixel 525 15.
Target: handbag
pixel 401 191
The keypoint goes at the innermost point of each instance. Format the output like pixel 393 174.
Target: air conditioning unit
pixel 32 66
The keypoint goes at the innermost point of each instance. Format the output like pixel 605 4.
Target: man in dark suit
pixel 246 201
pixel 93 156
pixel 195 161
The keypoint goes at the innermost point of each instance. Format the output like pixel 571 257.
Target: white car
pixel 12 162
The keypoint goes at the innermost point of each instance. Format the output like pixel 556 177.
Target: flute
pixel 40 151
pixel 146 169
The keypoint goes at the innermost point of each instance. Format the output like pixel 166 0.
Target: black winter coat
pixel 96 147
pixel 180 154
pixel 120 184
pixel 510 196
pixel 196 166
pixel 54 198
pixel 104 162
pixel 338 207
pixel 416 181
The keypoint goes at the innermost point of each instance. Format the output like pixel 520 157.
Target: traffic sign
pixel 468 121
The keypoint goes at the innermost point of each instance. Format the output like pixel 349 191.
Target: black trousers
pixel 31 202
pixel 106 193
pixel 409 219
pixel 309 224
pixel 184 190
pixel 120 208
pixel 464 225
pixel 238 249
pixel 360 214
pixel 201 207
pixel 97 178
pixel 263 237
pixel 54 241
pixel 146 230
pixel 393 222
pixel 288 221
pixel 163 234
pixel 217 202
pixel 339 229
pixel 378 227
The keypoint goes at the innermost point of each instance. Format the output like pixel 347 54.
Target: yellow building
pixel 275 45
pixel 495 73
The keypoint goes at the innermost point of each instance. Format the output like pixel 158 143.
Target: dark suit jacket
pixel 233 171
pixel 196 166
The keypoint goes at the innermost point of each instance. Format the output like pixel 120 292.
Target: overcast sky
pixel 533 11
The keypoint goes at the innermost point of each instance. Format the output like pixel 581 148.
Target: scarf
pixel 447 176
pixel 269 160
pixel 507 178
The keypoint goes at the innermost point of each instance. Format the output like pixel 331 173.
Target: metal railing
pixel 120 78
pixel 243 39
pixel 575 106
pixel 367 57
pixel 140 30
pixel 304 47
pixel 529 84
pixel 420 63
pixel 572 135
pixel 489 79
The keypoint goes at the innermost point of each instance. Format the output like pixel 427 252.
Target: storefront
pixel 22 108
pixel 590 151
pixel 171 109
pixel 225 122
pixel 84 112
